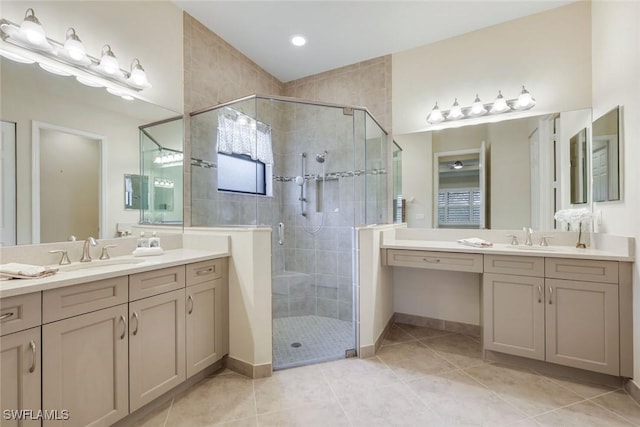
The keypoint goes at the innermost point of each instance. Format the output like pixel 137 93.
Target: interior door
pixel 8 184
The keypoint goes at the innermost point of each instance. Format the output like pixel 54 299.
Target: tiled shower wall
pixel 313 271
pixel 215 72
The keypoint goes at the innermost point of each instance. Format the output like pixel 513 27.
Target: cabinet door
pixel 85 368
pixel 204 325
pixel 20 369
pixel 157 346
pixel 582 325
pixel 513 309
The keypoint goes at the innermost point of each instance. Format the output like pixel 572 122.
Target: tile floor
pixel 320 338
pixel 420 377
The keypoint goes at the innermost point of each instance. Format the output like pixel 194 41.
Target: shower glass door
pixel 312 214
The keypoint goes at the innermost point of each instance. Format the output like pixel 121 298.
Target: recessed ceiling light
pixel 298 40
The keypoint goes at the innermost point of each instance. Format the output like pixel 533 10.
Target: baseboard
pixel 134 417
pixel 632 389
pixel 249 370
pixel 552 369
pixel 443 325
pixel 371 350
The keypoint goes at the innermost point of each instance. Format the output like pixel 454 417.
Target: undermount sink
pixel 534 248
pixel 99 264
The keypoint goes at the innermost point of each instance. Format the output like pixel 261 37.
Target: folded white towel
pixel 25 271
pixel 148 251
pixel 476 242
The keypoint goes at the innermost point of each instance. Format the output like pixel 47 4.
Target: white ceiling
pixel 341 33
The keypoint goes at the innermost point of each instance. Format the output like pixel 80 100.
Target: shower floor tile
pixel 320 338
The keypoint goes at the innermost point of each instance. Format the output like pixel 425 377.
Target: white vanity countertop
pixel 99 270
pixel 506 249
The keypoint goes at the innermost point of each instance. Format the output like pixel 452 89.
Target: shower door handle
pixel 281 233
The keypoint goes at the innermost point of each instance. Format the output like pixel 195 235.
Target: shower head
pixel 320 156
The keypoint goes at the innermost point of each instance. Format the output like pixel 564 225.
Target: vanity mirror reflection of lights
pixel 526 168
pixel 35 102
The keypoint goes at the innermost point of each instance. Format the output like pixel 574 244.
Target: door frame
pixel 36 127
pixel 9 192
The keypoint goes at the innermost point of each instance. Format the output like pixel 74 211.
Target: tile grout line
pixel 166 418
pixel 335 395
pixel 611 410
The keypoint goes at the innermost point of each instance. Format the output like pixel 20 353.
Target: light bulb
pixel 74 46
pixel 88 82
pixel 456 111
pixel 32 29
pixel 477 108
pixel 525 100
pixel 298 40
pixel 499 105
pixel 436 115
pixel 138 77
pixel 108 62
pixel 53 69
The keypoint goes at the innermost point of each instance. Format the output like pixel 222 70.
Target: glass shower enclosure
pixel 313 173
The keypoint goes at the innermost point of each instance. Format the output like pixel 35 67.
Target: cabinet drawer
pixel 200 272
pixel 143 285
pixel 518 265
pixel 582 269
pixel 20 312
pixel 449 261
pixel 79 299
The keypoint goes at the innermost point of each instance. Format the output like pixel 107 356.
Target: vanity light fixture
pixel 27 43
pixel 499 105
pixel 32 30
pixel 456 111
pixel 477 109
pixel 436 115
pixel 74 49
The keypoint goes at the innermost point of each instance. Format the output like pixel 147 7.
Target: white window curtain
pixel 241 134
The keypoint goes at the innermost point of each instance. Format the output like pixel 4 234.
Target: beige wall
pixel 364 84
pixel 548 52
pixel 616 67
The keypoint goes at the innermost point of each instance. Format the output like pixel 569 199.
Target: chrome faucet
pixel 86 254
pixel 529 232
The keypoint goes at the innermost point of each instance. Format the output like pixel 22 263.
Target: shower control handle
pixel 281 233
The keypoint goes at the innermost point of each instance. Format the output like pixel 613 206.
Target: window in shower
pixel 238 173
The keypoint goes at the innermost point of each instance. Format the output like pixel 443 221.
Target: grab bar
pixel 281 233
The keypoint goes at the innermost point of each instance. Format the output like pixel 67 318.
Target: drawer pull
pixel 550 295
pixel 431 260
pixel 6 315
pixel 124 326
pixel 32 346
pixel 135 315
pixel 539 294
pixel 190 300
pixel 205 271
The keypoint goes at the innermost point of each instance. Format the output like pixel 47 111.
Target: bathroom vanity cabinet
pixel 20 353
pixel 554 309
pixel 541 304
pixel 111 346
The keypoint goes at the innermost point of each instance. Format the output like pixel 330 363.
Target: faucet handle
pixel 105 254
pixel 543 240
pixel 64 259
pixel 514 239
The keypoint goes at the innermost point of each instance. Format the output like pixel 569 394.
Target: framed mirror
pixel 578 164
pixel 605 157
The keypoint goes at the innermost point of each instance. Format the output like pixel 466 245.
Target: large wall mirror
pixel 69 109
pixel 606 157
pixel 527 168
